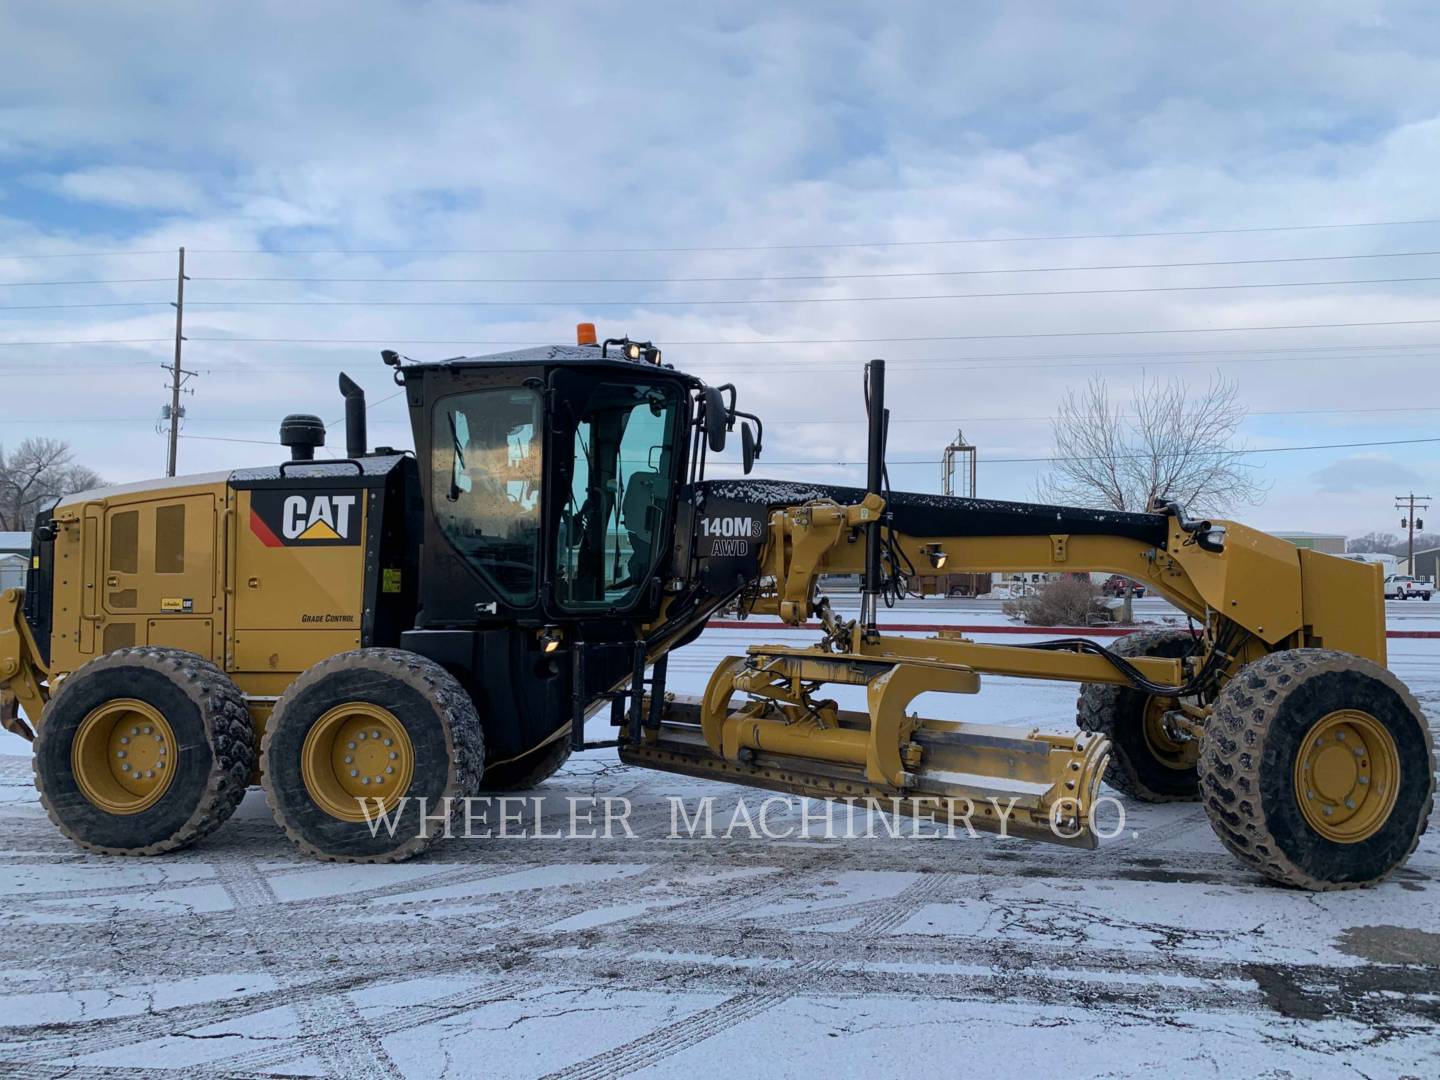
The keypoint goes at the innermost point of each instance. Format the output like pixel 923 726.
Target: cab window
pixel 485 484
pixel 611 526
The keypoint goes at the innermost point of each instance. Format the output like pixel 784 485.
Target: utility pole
pixel 177 373
pixel 1408 503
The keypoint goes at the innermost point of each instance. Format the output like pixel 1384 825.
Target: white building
pixel 1329 543
pixel 1391 563
pixel 12 571
pixel 15 543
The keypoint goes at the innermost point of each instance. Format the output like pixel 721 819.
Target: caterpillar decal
pixel 308 519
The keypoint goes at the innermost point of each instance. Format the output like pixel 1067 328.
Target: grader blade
pixel 779 736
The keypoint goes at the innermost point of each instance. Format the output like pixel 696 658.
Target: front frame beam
pixel 1018 661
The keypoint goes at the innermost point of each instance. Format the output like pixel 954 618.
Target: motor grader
pixel 394 632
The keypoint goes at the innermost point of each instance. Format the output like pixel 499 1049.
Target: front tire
pixel 370 755
pixel 144 751
pixel 1318 769
pixel 1145 762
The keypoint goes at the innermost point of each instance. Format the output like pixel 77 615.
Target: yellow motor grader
pixel 393 632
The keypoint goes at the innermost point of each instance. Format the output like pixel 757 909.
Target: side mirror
pixel 747 447
pixel 715 418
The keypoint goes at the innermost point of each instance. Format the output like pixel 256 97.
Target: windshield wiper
pixel 454 493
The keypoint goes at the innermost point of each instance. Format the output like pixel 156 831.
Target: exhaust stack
pixel 354 417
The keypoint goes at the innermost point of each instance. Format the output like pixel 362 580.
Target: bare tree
pixel 35 474
pixel 1378 542
pixel 1170 444
pixel 1389 544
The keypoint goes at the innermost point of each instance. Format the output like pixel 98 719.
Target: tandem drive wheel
pixel 1317 769
pixel 362 752
pixel 143 751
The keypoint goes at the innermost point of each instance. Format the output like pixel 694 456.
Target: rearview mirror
pixel 715 418
pixel 747 447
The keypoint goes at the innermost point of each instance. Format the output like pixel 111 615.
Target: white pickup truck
pixel 1404 587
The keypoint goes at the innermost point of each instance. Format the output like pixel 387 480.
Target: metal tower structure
pixel 965 451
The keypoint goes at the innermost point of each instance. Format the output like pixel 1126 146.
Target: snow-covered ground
pixel 721 957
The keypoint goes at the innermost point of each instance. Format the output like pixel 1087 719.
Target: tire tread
pixel 464 736
pixel 1230 761
pixel 227 719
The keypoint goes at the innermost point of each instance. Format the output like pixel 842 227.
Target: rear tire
pixel 1306 730
pixel 1144 763
pixel 393 721
pixel 175 718
pixel 529 771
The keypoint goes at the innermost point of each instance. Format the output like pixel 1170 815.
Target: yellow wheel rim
pixel 1164 748
pixel 123 756
pixel 1347 775
pixel 357 751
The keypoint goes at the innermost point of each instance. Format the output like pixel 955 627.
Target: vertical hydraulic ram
pixel 874 482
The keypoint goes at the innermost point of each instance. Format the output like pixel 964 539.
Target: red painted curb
pixel 1032 631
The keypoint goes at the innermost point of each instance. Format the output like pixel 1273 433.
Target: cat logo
pixel 311 519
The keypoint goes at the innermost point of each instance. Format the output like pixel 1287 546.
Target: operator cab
pixel 550 478
pixel 558 485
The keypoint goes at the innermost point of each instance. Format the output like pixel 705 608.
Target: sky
pixel 683 175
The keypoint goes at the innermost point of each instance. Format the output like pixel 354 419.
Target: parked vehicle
pixel 1115 586
pixel 1404 587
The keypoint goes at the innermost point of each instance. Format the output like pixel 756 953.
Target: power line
pixel 107 304
pixel 814 247
pixel 82 254
pixel 992 362
pixel 968 420
pixel 694 302
pixel 1248 352
pixel 531 343
pixel 1245 351
pixel 104 281
pixel 748 364
pixel 987 461
pixel 777 369
pixel 271 442
pixel 1044 460
pixel 368 406
pixel 1226 231
pixel 802 368
pixel 89 341
pixel 788 421
pixel 804 277
pixel 227 438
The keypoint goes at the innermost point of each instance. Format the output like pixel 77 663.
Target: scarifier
pixel 383 632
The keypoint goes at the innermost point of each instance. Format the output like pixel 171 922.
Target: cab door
pixel 617 461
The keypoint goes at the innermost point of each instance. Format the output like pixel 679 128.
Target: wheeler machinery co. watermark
pixel 519 817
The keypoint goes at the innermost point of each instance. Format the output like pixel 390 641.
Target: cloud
pixel 1375 474
pixel 128 187
pixel 452 126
